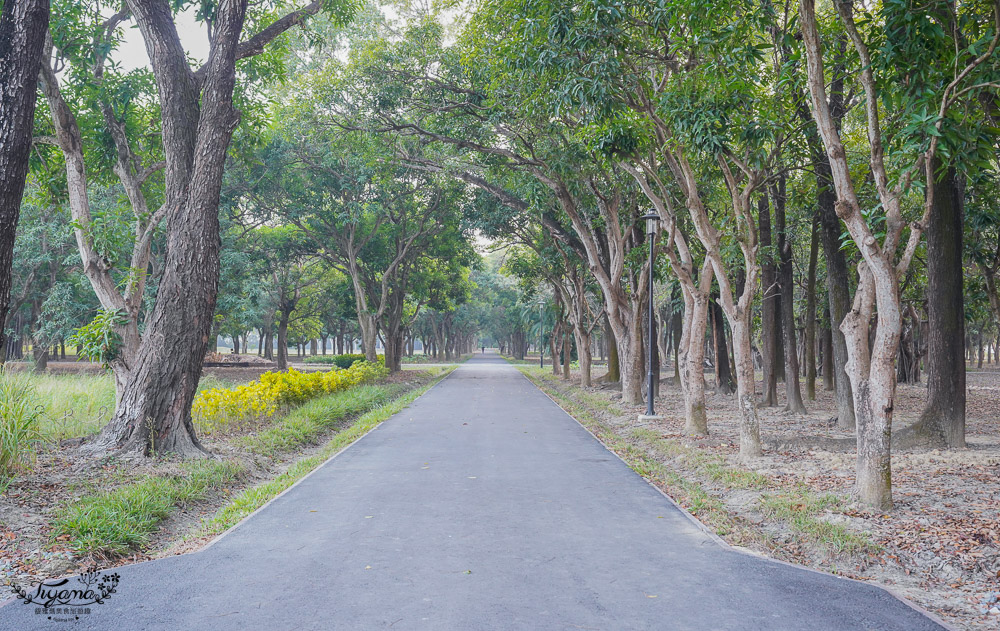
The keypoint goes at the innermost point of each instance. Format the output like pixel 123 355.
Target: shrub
pixel 340 361
pixel 19 414
pixel 227 409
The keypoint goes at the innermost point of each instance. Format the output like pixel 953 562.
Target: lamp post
pixel 541 345
pixel 652 225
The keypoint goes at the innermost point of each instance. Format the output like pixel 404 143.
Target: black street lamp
pixel 541 345
pixel 652 225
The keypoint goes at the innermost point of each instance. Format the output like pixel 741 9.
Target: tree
pixel 872 369
pixel 22 35
pixel 198 118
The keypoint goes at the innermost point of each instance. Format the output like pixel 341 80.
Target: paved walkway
pixel 482 506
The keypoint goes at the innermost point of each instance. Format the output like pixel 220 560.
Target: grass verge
pixel 681 471
pixel 114 523
pixel 306 423
pixel 686 492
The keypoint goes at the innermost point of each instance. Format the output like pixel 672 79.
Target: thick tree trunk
pixel 369 334
pixel 154 414
pixel 22 35
pixel 40 357
pixel 634 366
pixel 793 393
pixel 393 347
pixel 942 421
pixel 769 306
pixel 692 362
pixel 749 421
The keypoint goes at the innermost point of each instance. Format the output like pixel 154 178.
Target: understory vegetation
pixel 225 409
pixel 120 514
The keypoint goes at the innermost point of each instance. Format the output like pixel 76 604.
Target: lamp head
pixel 652 222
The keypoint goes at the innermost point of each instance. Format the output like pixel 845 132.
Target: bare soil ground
pixel 940 547
pixel 62 475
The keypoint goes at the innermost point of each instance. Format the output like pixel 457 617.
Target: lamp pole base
pixel 648 417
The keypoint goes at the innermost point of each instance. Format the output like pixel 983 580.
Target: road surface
pixel 481 506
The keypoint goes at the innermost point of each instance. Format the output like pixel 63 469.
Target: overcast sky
pixel 132 52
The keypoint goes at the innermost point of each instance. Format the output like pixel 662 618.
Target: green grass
pixel 119 521
pixel 712 466
pixel 304 424
pixel 253 498
pixel 19 416
pixel 800 509
pixel 79 405
pixel 74 405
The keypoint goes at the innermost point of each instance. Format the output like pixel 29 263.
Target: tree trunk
pixel 769 306
pixel 677 325
pixel 723 377
pixel 614 372
pixel 393 346
pixel 828 359
pixel 692 357
pixel 750 423
pixel 793 393
pixel 583 354
pixel 942 421
pixel 369 333
pixel 837 286
pixel 567 352
pixel 810 339
pixel 283 340
pixel 555 339
pixel 40 356
pixel 656 361
pixel 22 35
pixel 198 119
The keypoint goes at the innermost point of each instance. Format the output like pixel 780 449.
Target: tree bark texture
pixel 154 414
pixel 942 422
pixel 22 36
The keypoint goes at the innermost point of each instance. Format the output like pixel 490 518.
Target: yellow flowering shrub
pixel 228 409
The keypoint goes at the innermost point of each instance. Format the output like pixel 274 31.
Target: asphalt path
pixel 481 506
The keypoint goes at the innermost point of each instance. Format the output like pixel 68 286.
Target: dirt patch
pixel 62 475
pixel 940 547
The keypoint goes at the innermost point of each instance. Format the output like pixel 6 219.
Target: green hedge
pixel 340 361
